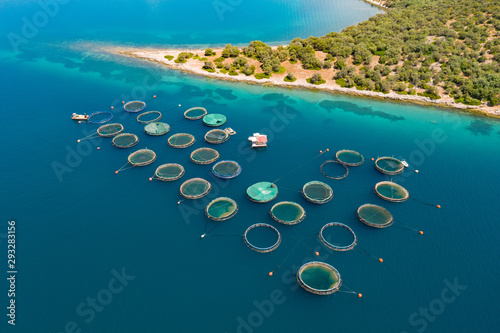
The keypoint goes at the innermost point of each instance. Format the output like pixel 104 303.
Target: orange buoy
pixel 150 178
pixel 154 96
pixel 327 149
pixel 270 273
pixel 123 102
pixel 380 259
pixel 316 253
pixel 98 148
pixel 373 159
pixel 438 206
pixel 321 152
pixel 79 121
pixel 116 172
pixel 77 140
pixel 360 295
pixel 112 107
pixel 421 232
pixel 416 171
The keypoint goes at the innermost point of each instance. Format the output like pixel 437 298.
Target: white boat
pixel 258 140
pixel 405 163
pixel 75 116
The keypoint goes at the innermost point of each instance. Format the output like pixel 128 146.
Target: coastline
pixel 194 66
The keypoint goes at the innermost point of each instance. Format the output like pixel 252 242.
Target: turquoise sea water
pixel 79 225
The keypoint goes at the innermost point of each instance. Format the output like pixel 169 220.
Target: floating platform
pixel 230 131
pixel 75 116
pixel 258 140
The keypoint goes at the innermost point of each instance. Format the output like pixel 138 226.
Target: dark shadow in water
pixel 226 93
pixel 278 97
pixel 212 106
pixel 354 108
pixel 281 108
pixel 480 127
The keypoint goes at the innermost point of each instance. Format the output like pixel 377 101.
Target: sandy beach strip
pixel 194 66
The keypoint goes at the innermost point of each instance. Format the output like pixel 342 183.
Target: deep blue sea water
pixel 80 227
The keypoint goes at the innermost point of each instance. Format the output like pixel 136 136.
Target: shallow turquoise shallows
pixel 105 252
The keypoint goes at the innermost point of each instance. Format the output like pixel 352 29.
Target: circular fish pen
pixel 216 136
pixel 142 157
pixel 262 192
pixel 110 130
pixel 204 156
pixel 214 119
pixel 317 192
pixel 195 188
pixel 259 248
pixel 341 231
pixel 157 128
pixel 391 191
pixel 389 165
pixel 329 170
pixel 226 169
pixel 181 140
pixel 149 117
pixel 134 106
pixel 125 140
pixel 319 278
pixel 169 172
pixel 195 113
pixel 221 209
pixel 287 212
pixel 375 216
pixel 100 117
pixel 349 157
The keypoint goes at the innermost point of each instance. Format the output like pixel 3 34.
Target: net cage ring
pixel 262 249
pixel 334 282
pixel 197 115
pixel 156 128
pixel 336 247
pixel 318 200
pixel 225 214
pixel 356 161
pixel 176 176
pixel 185 186
pixel 383 217
pixel 157 113
pixel 129 138
pixel 228 175
pixel 214 119
pixel 216 136
pixel 134 106
pixel 262 192
pixel 110 130
pixel 102 121
pixel 172 141
pixel 301 213
pixel 142 162
pixel 397 192
pixel 196 158
pixel 332 177
pixel 393 166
